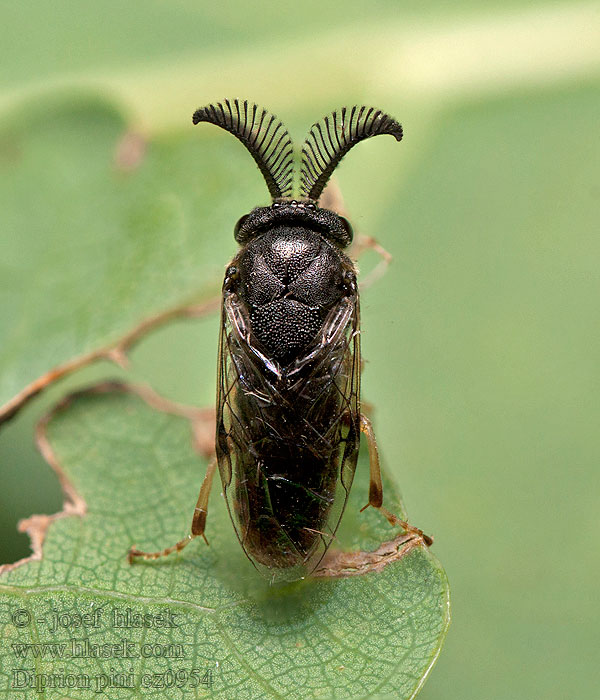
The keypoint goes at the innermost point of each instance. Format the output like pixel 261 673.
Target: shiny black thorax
pixel 289 278
pixel 290 273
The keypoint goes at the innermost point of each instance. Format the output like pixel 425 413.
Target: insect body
pixel 288 422
pixel 288 406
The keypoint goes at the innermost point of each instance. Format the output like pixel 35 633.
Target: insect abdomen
pixel 287 478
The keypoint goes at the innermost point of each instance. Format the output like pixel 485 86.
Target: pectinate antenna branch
pixel 329 140
pixel 267 145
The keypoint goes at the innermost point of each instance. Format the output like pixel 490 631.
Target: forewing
pixel 242 369
pixel 336 370
pixel 258 405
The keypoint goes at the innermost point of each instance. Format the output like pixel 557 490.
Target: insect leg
pixel 376 486
pixel 362 243
pixel 201 510
pixel 332 199
pixel 198 521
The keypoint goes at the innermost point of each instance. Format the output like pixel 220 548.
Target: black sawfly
pixel 288 397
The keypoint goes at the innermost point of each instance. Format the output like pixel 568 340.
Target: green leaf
pixel 105 230
pixel 373 635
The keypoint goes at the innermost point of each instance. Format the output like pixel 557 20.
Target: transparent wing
pixel 288 438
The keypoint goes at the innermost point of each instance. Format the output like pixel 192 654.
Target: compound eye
pixel 239 224
pixel 347 228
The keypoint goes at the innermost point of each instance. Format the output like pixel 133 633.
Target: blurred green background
pixel 481 341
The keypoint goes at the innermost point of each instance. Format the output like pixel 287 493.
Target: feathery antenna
pixel 329 140
pixel 264 136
